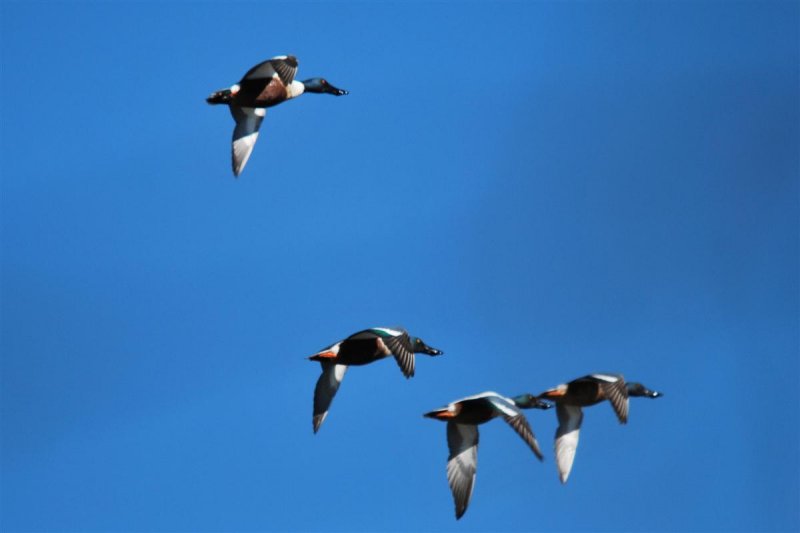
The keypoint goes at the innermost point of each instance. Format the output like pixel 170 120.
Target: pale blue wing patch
pixel 504 405
pixel 608 378
pixel 389 332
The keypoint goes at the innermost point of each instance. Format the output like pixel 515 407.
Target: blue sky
pixel 542 190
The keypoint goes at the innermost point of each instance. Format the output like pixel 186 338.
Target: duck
pixel 463 418
pixel 267 84
pixel 586 391
pixel 358 349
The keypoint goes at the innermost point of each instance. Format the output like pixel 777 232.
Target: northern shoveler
pixel 583 392
pixel 463 417
pixel 265 85
pixel 362 348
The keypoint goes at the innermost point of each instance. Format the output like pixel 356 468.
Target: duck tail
pixel 220 97
pixel 440 414
pixel 323 356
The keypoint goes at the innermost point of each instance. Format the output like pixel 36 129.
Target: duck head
pixel 637 389
pixel 529 401
pixel 321 85
pixel 419 346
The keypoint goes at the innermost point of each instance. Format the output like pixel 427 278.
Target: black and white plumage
pixel 327 385
pixel 248 121
pixel 463 417
pixel 265 85
pixel 358 349
pixel 462 463
pixel 589 390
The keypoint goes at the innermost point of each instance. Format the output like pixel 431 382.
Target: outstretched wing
pixel 520 424
pixel 569 428
pixel 248 120
pixel 513 415
pixel 462 464
pixel 615 390
pixel 403 352
pixel 284 66
pixel 327 385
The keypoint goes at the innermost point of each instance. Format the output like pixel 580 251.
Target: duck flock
pixel 272 82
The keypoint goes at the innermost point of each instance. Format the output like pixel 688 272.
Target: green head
pixel 637 389
pixel 321 85
pixel 420 347
pixel 529 401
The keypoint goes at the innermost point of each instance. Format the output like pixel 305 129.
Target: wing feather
pixel 248 121
pixel 284 66
pixel 462 463
pixel 570 418
pixel 520 424
pixel 364 334
pixel 403 353
pixel 617 394
pixel 327 385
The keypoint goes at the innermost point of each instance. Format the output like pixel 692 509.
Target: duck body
pixel 481 408
pixel 267 84
pixel 374 344
pixel 463 418
pixel 586 391
pixel 360 349
pixel 589 390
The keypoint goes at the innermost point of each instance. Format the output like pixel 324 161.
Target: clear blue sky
pixel 542 190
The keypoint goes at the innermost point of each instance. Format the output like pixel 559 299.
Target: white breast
pixel 295 89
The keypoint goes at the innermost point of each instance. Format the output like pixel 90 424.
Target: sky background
pixel 542 190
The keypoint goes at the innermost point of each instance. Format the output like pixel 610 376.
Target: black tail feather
pixel 220 97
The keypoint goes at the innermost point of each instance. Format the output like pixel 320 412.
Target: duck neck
pixel 524 401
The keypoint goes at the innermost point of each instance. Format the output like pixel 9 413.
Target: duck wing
pixel 403 352
pixel 462 464
pixel 245 134
pixel 284 66
pixel 520 424
pixel 513 415
pixel 570 418
pixel 617 394
pixel 327 385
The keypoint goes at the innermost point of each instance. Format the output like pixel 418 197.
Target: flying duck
pixel 265 85
pixel 362 348
pixel 463 417
pixel 583 392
